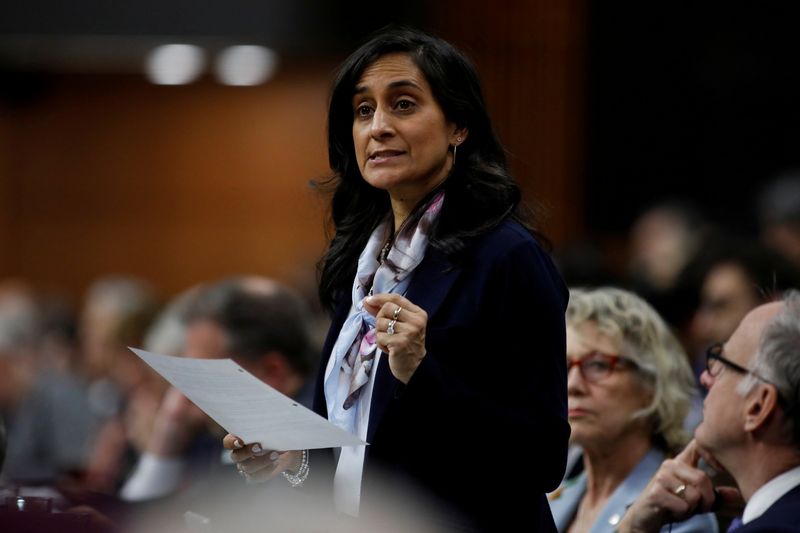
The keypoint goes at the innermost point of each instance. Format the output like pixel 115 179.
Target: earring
pixel 455 149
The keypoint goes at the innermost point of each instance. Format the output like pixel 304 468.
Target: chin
pixel 699 435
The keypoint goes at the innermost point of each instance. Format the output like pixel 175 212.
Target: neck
pixel 607 466
pixel 761 464
pixel 400 210
pixel 405 199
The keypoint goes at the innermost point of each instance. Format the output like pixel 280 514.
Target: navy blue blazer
pixel 486 408
pixel 783 516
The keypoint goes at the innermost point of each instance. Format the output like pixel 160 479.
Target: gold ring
pixel 396 313
pixel 680 490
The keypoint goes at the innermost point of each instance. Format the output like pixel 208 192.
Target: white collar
pixel 769 493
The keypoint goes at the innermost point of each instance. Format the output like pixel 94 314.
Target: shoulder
pixel 565 499
pixel 780 517
pixel 510 245
pixel 506 236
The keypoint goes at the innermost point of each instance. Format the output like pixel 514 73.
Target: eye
pixel 597 365
pixel 363 111
pixel 405 105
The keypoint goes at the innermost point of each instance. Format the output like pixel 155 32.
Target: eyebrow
pixel 393 85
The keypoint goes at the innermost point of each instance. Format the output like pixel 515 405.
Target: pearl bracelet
pixel 298 478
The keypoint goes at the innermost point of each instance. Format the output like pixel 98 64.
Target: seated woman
pixel 629 386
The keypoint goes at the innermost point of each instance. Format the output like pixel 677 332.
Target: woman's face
pixel 400 133
pixel 600 412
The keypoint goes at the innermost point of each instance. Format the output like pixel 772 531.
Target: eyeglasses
pixel 715 361
pixel 597 366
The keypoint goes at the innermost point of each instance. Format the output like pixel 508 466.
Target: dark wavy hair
pixel 479 192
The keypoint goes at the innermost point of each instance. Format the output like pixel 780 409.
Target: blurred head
pixel 20 327
pixel 628 373
pixel 754 383
pixel 116 314
pixel 261 324
pixel 779 216
pixel 167 334
pixel 739 277
pixel 663 241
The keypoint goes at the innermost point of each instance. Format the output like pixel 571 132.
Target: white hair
pixel 777 361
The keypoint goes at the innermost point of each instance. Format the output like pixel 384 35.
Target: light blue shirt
pixel 564 501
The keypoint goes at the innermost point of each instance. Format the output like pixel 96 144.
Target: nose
pixel 381 125
pixel 574 379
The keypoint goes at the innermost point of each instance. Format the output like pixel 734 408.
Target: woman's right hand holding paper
pixel 258 464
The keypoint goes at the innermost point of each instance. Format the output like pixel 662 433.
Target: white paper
pixel 246 406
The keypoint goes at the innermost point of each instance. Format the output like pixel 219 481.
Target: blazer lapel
pixel 432 281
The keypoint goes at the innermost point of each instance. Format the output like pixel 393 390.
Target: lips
pixel 383 155
pixel 576 412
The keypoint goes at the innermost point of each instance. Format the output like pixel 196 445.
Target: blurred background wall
pixel 605 109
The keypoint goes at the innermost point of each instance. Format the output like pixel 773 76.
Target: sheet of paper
pixel 246 406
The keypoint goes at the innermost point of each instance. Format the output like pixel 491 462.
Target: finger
pixel 382 326
pixel 232 442
pixel 248 451
pixel 693 496
pixel 376 302
pixel 264 474
pixel 664 496
pixel 728 498
pixel 690 455
pixel 385 342
pixel 255 464
pixel 698 481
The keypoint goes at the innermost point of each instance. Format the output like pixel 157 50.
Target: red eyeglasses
pixel 596 366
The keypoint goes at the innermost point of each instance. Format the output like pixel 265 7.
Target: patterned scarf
pixel 355 349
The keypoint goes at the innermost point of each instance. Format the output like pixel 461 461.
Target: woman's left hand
pixel 404 341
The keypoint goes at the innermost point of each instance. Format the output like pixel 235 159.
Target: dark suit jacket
pixel 485 411
pixel 783 516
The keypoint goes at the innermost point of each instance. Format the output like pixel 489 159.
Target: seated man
pixel 751 429
pixel 263 326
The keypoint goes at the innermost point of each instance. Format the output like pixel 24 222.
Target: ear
pixel 458 136
pixel 271 368
pixel 759 407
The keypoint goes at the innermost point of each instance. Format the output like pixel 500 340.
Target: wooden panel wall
pixel 174 184
pixel 531 57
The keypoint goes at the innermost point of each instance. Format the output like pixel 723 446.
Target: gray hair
pixel 647 341
pixel 778 361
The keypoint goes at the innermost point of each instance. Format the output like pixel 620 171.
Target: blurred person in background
pixel 263 326
pixel 448 313
pixel 629 391
pixel 740 276
pixel 779 216
pixel 123 392
pixel 664 246
pixel 751 430
pixel 49 426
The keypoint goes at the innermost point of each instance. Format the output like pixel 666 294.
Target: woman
pixel 629 388
pixel 446 351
